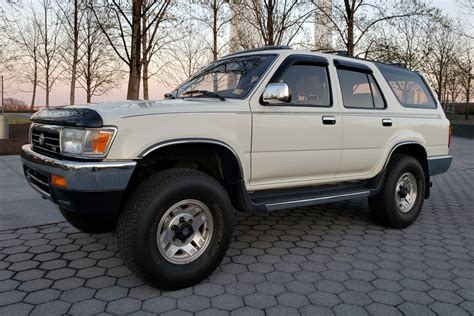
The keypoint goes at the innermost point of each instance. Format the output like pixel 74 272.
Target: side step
pixel 300 197
pixel 273 206
pixel 273 200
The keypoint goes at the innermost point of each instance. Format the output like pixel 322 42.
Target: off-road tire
pixel 383 205
pixel 140 217
pixel 89 223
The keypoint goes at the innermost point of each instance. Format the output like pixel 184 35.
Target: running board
pixel 274 206
pixel 273 200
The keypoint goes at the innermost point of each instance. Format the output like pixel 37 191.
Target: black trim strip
pixel 349 65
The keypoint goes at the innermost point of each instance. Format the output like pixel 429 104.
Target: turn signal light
pixel 58 181
pixel 100 142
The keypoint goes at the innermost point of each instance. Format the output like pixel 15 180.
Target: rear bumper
pixel 92 187
pixel 439 164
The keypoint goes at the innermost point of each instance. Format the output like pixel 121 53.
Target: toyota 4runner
pixel 257 131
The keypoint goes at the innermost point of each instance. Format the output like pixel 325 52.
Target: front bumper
pixel 439 164
pixel 92 187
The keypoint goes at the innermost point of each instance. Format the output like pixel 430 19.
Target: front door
pixel 299 142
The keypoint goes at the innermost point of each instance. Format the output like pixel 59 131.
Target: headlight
pixel 86 142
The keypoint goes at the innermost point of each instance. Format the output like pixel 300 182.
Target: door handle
pixel 329 120
pixel 387 122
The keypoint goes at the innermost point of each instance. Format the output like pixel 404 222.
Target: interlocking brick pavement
pixel 324 260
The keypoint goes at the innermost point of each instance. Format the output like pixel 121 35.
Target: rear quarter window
pixel 408 86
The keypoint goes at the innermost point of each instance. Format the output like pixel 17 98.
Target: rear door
pixel 299 142
pixel 368 127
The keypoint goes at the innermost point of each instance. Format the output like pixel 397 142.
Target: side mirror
pixel 276 93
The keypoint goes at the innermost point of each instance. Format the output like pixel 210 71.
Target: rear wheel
pixel 175 228
pixel 401 199
pixel 89 223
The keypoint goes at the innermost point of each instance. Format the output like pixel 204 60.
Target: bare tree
pixel 276 21
pixel 71 15
pixel 186 55
pixel 24 44
pixel 465 64
pixel 97 70
pixel 50 52
pixel 153 41
pixel 352 20
pixel 467 7
pixel 128 24
pixel 443 40
pixel 215 16
pixel 405 40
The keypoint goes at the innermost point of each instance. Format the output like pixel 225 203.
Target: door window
pixel 309 84
pixel 359 90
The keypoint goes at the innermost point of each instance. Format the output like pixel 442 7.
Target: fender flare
pixel 182 141
pixel 399 145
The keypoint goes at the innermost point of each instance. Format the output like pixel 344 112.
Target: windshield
pixel 229 78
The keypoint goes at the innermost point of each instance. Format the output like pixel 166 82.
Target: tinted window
pixel 359 90
pixel 409 87
pixel 309 84
pixel 379 103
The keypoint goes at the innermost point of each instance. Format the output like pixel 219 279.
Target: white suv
pixel 258 131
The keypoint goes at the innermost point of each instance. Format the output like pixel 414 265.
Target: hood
pixel 96 115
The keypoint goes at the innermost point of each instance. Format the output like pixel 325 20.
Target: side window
pixel 359 90
pixel 379 103
pixel 408 86
pixel 309 84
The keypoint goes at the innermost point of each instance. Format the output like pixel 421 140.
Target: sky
pixel 60 93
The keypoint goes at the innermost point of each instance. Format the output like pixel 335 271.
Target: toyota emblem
pixel 41 139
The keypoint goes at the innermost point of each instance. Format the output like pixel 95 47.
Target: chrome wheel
pixel 184 231
pixel 406 192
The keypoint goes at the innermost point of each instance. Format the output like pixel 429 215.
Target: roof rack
pixel 337 52
pixel 399 65
pixel 346 54
pixel 258 49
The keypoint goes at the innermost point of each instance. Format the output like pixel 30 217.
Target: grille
pixel 45 140
pixel 38 180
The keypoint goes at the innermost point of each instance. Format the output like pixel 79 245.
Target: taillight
pixel 449 139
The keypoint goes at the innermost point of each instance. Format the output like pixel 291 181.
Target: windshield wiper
pixel 205 93
pixel 169 96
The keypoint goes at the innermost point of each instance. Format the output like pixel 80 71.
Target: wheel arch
pixel 416 150
pixel 210 156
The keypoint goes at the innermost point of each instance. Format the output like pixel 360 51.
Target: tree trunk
pixel 468 97
pixel 270 35
pixel 133 91
pixel 350 28
pixel 88 91
pixel 33 97
pixel 215 12
pixel 145 59
pixel 35 84
pixel 72 93
pixel 88 73
pixel 146 95
pixel 46 54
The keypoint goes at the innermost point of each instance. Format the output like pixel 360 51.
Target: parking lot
pixel 324 260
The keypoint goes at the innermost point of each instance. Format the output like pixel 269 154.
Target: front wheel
pixel 401 199
pixel 175 228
